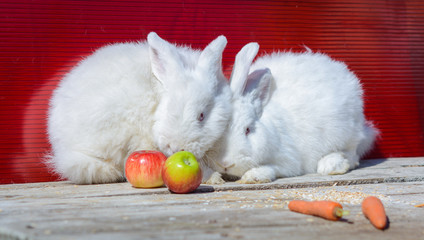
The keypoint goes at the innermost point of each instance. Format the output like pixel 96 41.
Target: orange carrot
pixel 419 205
pixel 326 209
pixel 373 209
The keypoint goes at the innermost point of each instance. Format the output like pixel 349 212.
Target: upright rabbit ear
pixel 241 67
pixel 258 88
pixel 164 57
pixel 211 56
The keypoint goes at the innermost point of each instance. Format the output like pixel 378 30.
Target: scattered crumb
pixel 331 194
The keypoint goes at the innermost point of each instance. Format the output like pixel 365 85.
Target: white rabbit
pixel 132 96
pixel 295 113
pixel 243 61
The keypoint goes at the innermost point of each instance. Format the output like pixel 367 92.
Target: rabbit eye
pixel 247 131
pixel 201 117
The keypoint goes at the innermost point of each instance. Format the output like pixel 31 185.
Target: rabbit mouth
pixel 222 166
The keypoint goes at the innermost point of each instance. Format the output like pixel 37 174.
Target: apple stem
pixel 187 162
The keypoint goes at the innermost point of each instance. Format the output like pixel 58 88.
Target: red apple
pixel 143 169
pixel 181 172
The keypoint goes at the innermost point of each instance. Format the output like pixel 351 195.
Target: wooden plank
pixel 370 171
pixel 61 210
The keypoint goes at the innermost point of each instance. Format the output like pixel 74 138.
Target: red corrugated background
pixel 382 41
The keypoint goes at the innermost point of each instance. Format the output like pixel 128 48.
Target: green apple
pixel 181 172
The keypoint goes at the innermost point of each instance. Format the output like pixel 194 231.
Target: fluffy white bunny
pixel 295 113
pixel 244 59
pixel 133 96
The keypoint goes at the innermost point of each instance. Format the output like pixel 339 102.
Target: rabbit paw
pixel 332 164
pixel 215 179
pixel 255 175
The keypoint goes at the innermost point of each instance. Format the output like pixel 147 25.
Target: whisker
pixel 217 163
pixel 232 165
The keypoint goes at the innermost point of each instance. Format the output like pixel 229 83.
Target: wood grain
pixel 61 210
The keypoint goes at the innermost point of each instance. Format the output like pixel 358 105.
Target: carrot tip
pixel 340 212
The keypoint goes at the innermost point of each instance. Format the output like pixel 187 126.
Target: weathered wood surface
pixel 61 210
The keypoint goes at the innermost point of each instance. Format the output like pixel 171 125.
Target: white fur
pixel 304 112
pixel 133 96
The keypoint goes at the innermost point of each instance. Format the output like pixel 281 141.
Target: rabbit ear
pixel 241 67
pixel 211 56
pixel 258 87
pixel 164 57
